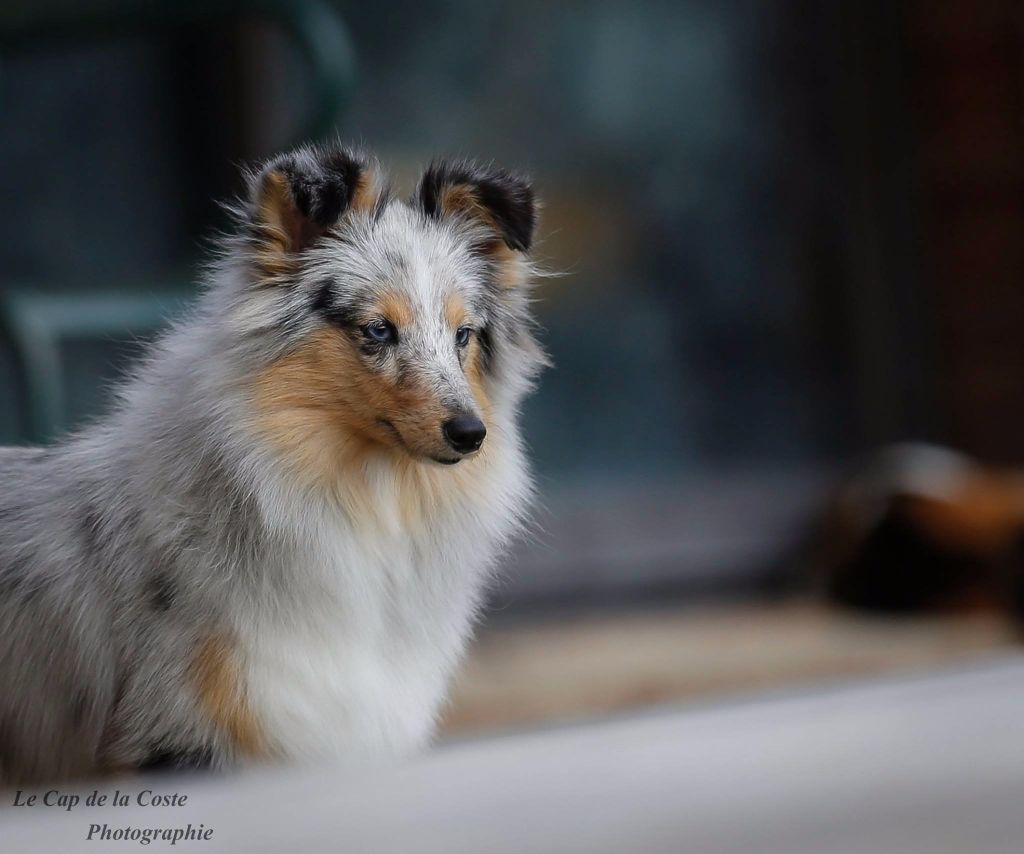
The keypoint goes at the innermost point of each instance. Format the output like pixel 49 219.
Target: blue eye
pixel 462 336
pixel 380 332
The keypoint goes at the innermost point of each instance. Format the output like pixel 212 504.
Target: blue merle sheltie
pixel 274 547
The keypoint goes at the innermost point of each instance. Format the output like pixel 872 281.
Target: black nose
pixel 465 433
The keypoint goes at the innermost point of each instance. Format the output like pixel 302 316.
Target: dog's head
pixel 399 324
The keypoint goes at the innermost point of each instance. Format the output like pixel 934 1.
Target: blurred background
pixel 791 234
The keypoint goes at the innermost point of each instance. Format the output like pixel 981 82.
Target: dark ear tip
pixel 524 225
pixel 521 223
pixel 322 181
pixel 508 197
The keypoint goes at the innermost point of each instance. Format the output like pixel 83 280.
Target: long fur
pixel 258 554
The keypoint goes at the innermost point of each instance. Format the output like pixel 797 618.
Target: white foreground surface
pixel 928 764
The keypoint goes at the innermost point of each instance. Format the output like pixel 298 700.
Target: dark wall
pixel 967 80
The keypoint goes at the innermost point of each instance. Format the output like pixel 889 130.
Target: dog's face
pixel 400 309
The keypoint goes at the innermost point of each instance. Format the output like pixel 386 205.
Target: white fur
pixel 357 662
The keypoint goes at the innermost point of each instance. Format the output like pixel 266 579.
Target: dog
pixel 275 546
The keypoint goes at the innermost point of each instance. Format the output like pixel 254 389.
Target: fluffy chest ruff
pixel 354 659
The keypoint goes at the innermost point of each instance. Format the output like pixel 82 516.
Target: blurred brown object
pixel 923 528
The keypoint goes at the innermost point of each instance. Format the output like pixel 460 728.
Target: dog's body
pixel 259 554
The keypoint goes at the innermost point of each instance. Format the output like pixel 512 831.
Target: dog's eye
pixel 462 336
pixel 381 332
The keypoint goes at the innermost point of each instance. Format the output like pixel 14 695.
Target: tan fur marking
pixel 222 696
pixel 454 311
pixel 319 405
pixel 461 200
pixel 366 192
pixel 396 308
pixel 322 406
pixel 277 225
pixel 301 404
pixel 326 376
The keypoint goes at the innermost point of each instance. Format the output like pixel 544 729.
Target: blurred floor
pixel 556 668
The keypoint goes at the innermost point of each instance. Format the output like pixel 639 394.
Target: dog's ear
pixel 497 199
pixel 298 196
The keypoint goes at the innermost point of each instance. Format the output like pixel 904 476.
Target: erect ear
pixel 497 199
pixel 298 196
